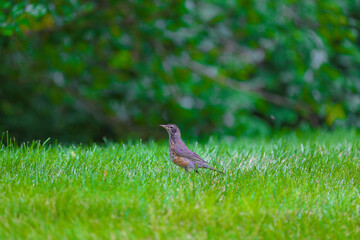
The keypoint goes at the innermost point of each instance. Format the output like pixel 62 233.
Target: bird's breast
pixel 176 159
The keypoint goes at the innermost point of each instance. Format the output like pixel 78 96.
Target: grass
pixel 290 187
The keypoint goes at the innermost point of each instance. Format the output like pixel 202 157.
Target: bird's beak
pixel 164 126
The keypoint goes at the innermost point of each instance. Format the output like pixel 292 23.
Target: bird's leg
pixel 196 169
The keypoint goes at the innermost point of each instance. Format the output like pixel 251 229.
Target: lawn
pixel 297 186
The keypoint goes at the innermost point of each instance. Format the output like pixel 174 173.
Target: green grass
pixel 290 187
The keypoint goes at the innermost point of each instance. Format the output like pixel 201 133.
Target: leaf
pixel 334 112
pixel 121 59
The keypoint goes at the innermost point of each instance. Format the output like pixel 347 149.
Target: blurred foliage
pixel 80 70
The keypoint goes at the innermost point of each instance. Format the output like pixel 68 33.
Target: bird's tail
pixel 214 169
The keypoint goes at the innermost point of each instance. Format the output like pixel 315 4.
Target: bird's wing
pixel 187 153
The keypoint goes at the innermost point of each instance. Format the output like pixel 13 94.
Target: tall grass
pixel 290 187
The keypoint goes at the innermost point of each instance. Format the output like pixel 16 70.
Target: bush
pixel 81 70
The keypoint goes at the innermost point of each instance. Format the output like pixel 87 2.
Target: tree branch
pixel 252 89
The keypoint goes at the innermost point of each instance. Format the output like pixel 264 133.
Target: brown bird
pixel 181 155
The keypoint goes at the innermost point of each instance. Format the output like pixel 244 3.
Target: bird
pixel 181 155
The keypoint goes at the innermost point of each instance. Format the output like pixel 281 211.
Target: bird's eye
pixel 171 126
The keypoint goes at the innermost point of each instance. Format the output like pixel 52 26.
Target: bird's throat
pixel 174 140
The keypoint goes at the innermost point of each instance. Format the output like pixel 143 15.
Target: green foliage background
pixel 81 70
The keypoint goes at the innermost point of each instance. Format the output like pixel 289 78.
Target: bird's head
pixel 172 129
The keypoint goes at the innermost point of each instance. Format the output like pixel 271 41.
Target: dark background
pixel 77 71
